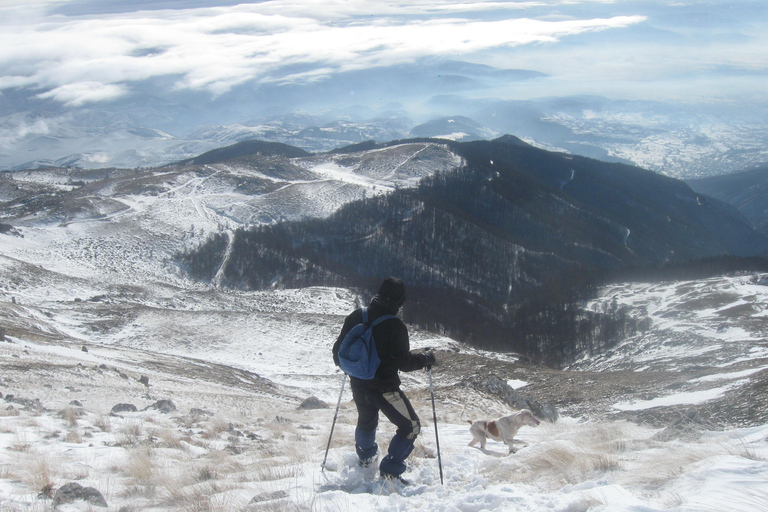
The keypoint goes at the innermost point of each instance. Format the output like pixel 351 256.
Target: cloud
pixel 81 59
pixel 16 128
pixel 77 94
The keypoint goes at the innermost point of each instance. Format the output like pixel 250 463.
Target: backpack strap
pixel 381 319
pixel 377 321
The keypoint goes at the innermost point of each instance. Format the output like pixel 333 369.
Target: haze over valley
pixel 677 88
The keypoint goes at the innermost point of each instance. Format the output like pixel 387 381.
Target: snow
pixel 730 376
pixel 514 384
pixel 564 467
pixel 572 465
pixel 250 357
pixel 693 397
pixel 721 317
pixel 333 171
pixel 452 136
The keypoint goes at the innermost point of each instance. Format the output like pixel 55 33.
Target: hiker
pixel 382 392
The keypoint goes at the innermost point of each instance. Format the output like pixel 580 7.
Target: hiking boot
pixel 366 463
pixel 392 478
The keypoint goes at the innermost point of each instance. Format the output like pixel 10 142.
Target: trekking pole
pixel 434 417
pixel 344 381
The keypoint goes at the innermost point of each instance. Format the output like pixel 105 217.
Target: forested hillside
pixel 747 191
pixel 497 252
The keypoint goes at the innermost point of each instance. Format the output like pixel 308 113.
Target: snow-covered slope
pixel 135 220
pixel 720 322
pixel 90 303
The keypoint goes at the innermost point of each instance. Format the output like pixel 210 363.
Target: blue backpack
pixel 357 354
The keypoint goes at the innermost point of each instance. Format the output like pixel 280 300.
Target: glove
pixel 429 359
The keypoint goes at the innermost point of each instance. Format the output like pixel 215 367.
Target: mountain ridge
pixel 745 190
pixel 512 218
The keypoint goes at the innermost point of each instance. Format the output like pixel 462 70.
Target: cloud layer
pixel 76 60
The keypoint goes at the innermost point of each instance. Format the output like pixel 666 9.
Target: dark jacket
pixel 392 345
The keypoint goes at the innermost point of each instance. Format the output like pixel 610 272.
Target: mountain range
pixel 678 141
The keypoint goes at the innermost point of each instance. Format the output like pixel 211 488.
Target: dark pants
pixel 397 408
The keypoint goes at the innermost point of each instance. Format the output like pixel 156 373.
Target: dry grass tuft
pixel 21 442
pixel 104 423
pixel 282 428
pixel 170 438
pixel 672 500
pixel 207 473
pixel 203 497
pixel 272 472
pixel 39 471
pixel 139 467
pixel 8 413
pixel 278 506
pixel 71 415
pixel 74 436
pixel 657 471
pixel 572 456
pixel 216 427
pixel 744 450
pixel 130 433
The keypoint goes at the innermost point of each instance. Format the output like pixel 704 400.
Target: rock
pixel 2 333
pixel 197 414
pixel 26 403
pixel 123 408
pixel 546 412
pixel 688 427
pixel 235 449
pixel 46 493
pixel 76 403
pixel 71 492
pixel 503 390
pixel 269 496
pixel 164 406
pixel 313 403
pixel 144 380
pixel 84 349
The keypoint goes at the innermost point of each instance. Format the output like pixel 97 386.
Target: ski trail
pixel 217 279
pixel 398 166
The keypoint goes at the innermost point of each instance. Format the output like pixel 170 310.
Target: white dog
pixel 503 429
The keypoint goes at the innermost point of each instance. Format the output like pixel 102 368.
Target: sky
pixel 105 82
pixel 78 52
